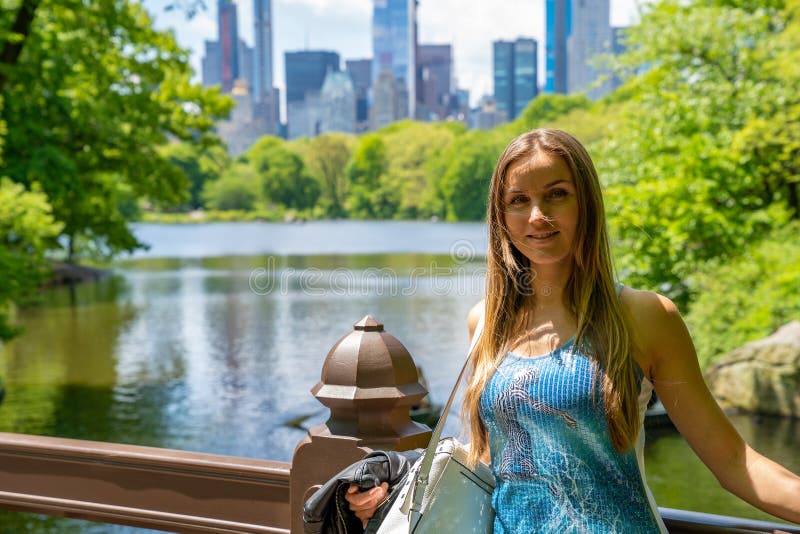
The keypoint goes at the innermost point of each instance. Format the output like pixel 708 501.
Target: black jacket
pixel 328 512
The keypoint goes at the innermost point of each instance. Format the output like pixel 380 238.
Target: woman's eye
pixel 557 193
pixel 516 201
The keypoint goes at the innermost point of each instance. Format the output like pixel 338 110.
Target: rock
pixel 761 377
pixel 71 273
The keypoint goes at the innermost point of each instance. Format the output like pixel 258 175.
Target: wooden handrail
pixel 684 521
pixel 143 486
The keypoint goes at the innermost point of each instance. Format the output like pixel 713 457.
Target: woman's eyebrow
pixel 556 182
pixel 551 184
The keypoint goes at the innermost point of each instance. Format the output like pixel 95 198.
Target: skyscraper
pixel 246 64
pixel 305 74
pixel 434 81
pixel 229 43
pixel 504 77
pixel 590 36
pixel 263 46
pixel 558 20
pixel 515 75
pixel 394 46
pixel 526 74
pixel 263 92
pixel 386 100
pixel 338 104
pixel 306 70
pixel 212 64
pixel 360 71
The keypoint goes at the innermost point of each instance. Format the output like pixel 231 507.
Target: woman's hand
pixel 364 503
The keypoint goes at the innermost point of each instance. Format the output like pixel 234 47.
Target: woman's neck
pixel 549 282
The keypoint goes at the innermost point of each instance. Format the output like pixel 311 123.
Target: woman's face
pixel 541 208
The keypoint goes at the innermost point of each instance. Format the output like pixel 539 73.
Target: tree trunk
pixel 9 55
pixel 70 248
pixel 794 201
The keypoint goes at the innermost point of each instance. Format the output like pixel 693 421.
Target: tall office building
pixel 590 36
pixel 263 92
pixel 558 22
pixel 360 71
pixel 515 75
pixel 394 47
pixel 387 100
pixel 306 71
pixel 503 77
pixel 305 74
pixel 526 74
pixel 240 130
pixel 229 43
pixel 338 104
pixel 434 81
pixel 212 64
pixel 246 65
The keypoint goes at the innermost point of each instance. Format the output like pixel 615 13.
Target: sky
pixel 344 27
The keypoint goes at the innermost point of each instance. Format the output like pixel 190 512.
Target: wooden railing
pixel 143 486
pixel 369 381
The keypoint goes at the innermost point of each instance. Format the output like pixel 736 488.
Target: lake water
pixel 211 340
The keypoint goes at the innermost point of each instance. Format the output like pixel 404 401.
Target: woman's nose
pixel 536 213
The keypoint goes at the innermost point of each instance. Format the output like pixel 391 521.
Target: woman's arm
pixel 669 358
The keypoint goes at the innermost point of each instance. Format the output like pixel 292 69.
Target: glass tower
pixel 558 20
pixel 263 48
pixel 229 43
pixel 394 44
pixel 306 71
pixel 504 77
pixel 515 75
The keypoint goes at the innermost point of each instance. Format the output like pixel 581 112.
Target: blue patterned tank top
pixel 554 463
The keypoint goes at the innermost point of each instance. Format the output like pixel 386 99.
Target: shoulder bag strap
pixel 418 489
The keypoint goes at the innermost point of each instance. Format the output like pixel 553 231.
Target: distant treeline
pixel 698 152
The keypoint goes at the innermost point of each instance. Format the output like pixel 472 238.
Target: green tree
pixel 677 193
pixel 326 158
pixel 465 184
pixel 91 92
pixel 27 229
pixel 410 150
pixel 545 108
pixel 748 298
pixel 200 164
pixel 236 189
pixel 283 174
pixel 366 199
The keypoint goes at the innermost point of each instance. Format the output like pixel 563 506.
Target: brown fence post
pixel 369 381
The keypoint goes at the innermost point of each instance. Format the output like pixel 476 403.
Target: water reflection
pixel 184 354
pixel 679 479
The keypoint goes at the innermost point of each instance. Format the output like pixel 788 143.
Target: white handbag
pixel 441 494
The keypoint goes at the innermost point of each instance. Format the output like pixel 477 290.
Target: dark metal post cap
pixel 368 324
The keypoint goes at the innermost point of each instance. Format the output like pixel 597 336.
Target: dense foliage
pixel 90 95
pixel 89 101
pixel 748 297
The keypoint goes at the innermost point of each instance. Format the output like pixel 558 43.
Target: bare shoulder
pixel 657 326
pixel 474 316
pixel 647 306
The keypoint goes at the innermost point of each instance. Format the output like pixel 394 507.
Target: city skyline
pixel 344 26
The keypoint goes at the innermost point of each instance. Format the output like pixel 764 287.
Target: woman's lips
pixel 541 236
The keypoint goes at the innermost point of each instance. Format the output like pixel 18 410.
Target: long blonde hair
pixel 590 293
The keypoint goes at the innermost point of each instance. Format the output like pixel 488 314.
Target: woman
pixel 567 360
